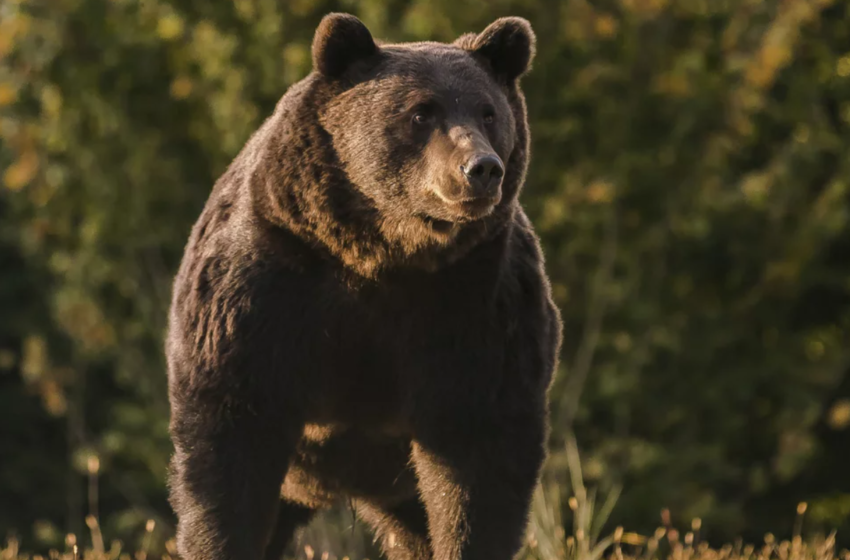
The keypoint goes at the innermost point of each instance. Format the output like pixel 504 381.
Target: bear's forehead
pixel 433 67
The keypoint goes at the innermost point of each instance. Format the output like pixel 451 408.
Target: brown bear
pixel 362 310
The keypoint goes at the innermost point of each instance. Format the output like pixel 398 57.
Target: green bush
pixel 689 181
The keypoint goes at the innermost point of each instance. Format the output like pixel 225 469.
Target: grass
pixel 547 541
pixel 546 538
pixel 665 544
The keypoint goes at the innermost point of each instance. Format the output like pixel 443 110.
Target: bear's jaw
pixel 440 227
pixel 464 209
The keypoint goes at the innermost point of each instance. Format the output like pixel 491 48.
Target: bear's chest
pixel 383 345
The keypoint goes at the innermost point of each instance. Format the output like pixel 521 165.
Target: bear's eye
pixel 489 116
pixel 421 118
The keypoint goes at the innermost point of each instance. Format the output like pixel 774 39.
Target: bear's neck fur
pixel 296 182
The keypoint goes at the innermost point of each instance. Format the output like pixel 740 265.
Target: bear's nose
pixel 484 173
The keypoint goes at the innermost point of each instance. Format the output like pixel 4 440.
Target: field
pixel 337 535
pixel 666 543
pixel 545 540
pixel 689 182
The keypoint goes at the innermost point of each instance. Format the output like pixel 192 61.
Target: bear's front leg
pixel 227 471
pixel 476 477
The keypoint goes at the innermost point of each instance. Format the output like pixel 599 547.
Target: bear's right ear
pixel 340 40
pixel 507 45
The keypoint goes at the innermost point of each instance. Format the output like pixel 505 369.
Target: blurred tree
pixel 31 437
pixel 698 192
pixel 689 182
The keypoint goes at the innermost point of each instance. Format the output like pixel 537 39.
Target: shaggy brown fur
pixel 362 310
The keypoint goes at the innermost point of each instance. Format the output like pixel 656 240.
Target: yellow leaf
pixel 839 414
pixel 756 186
pixel 672 84
pixel 600 192
pixel 169 27
pixel 51 100
pixel 20 173
pixel 8 95
pixel 606 26
pixel 6 42
pixel 181 87
pixel 34 359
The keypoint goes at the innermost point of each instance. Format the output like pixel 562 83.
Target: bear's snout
pixel 478 188
pixel 475 188
pixel 484 174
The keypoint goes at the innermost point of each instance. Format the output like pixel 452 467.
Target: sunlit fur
pixel 341 327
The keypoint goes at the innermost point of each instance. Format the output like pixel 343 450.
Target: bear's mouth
pixel 438 225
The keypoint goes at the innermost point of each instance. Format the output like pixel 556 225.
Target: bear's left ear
pixel 340 40
pixel 507 45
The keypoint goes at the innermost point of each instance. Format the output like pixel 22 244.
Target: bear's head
pixel 416 152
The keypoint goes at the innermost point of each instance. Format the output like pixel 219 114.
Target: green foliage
pixel 690 184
